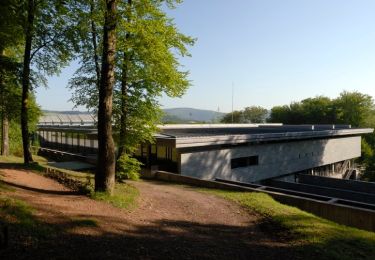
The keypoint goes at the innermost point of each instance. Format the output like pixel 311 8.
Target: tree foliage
pixel 11 40
pixel 352 108
pixel 149 44
pixel 252 114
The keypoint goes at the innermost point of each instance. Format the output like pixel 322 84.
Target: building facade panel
pixel 273 159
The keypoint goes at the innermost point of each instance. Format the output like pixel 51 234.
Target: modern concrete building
pixel 252 153
pixel 237 152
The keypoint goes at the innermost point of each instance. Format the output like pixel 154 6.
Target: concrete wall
pixel 324 191
pixel 275 159
pixel 359 186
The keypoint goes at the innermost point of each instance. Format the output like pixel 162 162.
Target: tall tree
pixel 105 174
pixel 233 117
pixel 10 39
pixel 252 114
pixel 49 41
pixel 124 86
pixel 255 114
pixel 29 34
pixel 146 67
pixel 354 108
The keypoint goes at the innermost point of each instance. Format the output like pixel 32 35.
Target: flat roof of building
pixel 60 119
pixel 196 135
pixel 205 135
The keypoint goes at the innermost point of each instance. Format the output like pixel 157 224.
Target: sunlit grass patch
pixel 314 235
pixel 124 196
pixel 17 162
pixel 16 159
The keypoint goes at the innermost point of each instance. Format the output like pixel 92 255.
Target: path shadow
pixel 20 166
pixel 158 240
pixel 43 191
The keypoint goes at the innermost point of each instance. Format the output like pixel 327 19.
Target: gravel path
pixel 171 222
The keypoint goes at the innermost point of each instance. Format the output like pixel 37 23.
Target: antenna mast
pixel 232 101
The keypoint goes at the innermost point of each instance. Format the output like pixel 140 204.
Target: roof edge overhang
pixel 186 142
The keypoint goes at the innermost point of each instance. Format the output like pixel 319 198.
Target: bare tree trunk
pixel 124 90
pixel 26 83
pixel 105 174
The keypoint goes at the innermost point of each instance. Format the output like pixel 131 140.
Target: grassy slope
pixel 314 235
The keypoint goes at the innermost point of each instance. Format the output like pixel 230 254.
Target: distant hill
pixel 172 115
pixel 193 114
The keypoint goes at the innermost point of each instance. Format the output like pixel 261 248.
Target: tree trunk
pixel 26 83
pixel 5 136
pixel 105 174
pixel 95 44
pixel 124 88
pixel 4 120
pixel 123 116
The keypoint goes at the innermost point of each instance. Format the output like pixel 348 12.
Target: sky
pixel 271 52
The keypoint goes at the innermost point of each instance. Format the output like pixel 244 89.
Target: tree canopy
pixel 352 108
pixel 252 114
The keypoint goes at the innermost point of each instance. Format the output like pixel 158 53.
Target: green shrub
pixel 15 139
pixel 128 168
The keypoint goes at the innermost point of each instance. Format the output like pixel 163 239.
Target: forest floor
pixel 49 221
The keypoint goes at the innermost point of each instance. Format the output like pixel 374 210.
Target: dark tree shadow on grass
pixel 43 191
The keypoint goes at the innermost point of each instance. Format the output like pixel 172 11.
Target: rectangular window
pixel 174 155
pixel 162 152
pixel 244 161
pixel 153 149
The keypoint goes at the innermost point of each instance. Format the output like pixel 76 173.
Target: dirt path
pixel 171 222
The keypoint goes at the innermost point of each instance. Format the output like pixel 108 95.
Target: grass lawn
pixel 315 236
pixel 125 196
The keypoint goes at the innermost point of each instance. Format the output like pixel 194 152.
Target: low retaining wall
pixel 342 214
pixel 325 191
pixel 359 186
